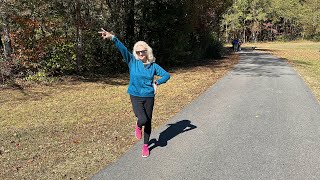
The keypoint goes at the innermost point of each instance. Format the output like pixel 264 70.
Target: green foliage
pixel 60 60
pixel 215 48
pixel 103 58
pixel 60 37
pixel 309 17
pixel 315 37
pixel 41 77
pixel 271 19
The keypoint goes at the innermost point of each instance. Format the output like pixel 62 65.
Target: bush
pixel 215 48
pixel 41 77
pixel 6 70
pixel 316 37
pixel 60 60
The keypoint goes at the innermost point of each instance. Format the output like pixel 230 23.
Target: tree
pixel 60 37
pixel 265 19
pixel 5 8
pixel 309 18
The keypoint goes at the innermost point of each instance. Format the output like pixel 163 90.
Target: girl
pixel 142 87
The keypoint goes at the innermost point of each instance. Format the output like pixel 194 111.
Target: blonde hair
pixel 150 55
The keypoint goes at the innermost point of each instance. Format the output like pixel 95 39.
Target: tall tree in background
pixel 285 17
pixel 270 19
pixel 5 8
pixel 258 15
pixel 245 16
pixel 310 18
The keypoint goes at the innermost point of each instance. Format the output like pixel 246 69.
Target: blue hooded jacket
pixel 141 76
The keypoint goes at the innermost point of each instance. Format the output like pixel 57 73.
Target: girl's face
pixel 142 53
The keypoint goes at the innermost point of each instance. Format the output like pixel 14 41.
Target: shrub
pixel 60 60
pixel 316 37
pixel 215 48
pixel 6 70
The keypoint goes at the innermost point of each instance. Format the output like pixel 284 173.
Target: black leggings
pixel 142 108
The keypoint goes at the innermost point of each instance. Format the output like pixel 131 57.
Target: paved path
pixel 259 122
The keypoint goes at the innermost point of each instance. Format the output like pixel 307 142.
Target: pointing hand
pixel 105 34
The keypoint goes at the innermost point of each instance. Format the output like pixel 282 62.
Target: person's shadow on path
pixel 172 131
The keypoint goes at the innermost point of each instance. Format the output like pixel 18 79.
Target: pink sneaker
pixel 145 150
pixel 138 132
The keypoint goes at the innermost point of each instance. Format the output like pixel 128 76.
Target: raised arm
pixel 123 50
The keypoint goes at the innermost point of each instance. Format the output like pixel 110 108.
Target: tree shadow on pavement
pixel 172 131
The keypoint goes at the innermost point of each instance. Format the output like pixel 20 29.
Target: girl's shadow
pixel 172 131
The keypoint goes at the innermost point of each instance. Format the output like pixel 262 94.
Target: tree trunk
pixel 1 44
pixel 227 35
pixel 244 31
pixel 33 19
pixel 6 42
pixel 79 44
pixel 254 36
pixel 130 22
pixel 114 16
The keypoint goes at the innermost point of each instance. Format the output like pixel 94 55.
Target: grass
pixel 73 129
pixel 304 56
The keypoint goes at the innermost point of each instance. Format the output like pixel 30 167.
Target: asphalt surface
pixel 260 121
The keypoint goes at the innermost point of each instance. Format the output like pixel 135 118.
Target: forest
pixel 41 38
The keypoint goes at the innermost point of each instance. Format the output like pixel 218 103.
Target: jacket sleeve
pixel 165 76
pixel 123 50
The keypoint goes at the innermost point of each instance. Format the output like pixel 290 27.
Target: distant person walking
pixel 142 87
pixel 235 44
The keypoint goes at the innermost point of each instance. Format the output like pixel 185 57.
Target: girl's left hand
pixel 155 86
